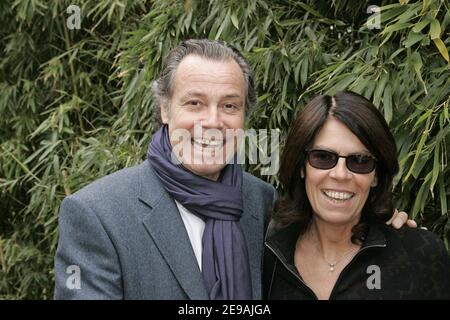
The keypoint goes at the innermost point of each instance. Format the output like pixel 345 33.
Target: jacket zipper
pixel 294 274
pixel 340 275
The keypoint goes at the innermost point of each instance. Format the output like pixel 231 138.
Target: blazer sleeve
pixel 86 263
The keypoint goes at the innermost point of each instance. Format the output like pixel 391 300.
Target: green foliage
pixel 75 105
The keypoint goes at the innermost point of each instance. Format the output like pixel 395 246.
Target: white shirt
pixel 194 227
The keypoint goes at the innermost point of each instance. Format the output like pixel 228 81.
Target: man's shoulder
pixel 115 184
pixel 254 186
pixel 253 181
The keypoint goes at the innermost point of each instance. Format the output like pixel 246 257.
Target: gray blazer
pixel 126 237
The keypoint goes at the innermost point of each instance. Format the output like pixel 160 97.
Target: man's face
pixel 209 96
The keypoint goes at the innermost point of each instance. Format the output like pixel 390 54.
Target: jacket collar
pixel 165 226
pixel 283 240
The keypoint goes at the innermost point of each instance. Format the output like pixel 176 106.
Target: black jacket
pixel 410 264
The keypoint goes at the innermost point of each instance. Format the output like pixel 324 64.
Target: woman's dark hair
pixel 362 118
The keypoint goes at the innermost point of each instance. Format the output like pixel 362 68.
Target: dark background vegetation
pixel 75 105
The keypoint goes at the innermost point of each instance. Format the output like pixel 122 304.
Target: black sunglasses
pixel 357 163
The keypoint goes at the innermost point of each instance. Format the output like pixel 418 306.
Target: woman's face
pixel 337 195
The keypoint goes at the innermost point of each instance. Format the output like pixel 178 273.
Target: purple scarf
pixel 225 262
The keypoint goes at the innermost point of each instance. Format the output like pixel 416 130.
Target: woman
pixel 328 238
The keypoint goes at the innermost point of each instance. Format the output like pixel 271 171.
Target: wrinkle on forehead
pixel 202 74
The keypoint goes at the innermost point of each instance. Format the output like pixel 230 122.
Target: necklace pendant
pixel 332 266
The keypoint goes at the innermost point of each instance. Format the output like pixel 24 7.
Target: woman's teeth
pixel 339 195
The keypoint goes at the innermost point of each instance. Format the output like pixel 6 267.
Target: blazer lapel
pixel 253 231
pixel 166 228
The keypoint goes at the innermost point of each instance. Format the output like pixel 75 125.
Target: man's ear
pixel 164 114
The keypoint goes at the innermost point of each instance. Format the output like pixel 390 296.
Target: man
pixel 175 227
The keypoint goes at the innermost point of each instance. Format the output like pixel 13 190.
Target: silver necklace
pixel 332 265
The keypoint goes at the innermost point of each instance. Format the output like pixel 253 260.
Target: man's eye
pixel 194 103
pixel 230 106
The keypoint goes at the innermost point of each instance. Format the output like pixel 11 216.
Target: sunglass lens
pixel 361 163
pixel 322 159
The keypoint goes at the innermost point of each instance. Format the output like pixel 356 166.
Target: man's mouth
pixel 207 143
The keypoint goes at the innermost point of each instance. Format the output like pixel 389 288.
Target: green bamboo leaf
pixel 445 21
pixel 395 27
pixel 310 9
pixel 421 197
pixel 290 22
pixel 234 20
pixel 435 29
pixel 310 34
pixel 297 71
pixel 304 72
pixel 422 118
pixel 426 4
pixel 386 39
pixel 396 53
pixel 387 103
pixel 215 27
pixel 446 114
pixel 442 196
pixel 423 138
pixel 359 85
pixel 342 84
pixel 224 24
pixel 24 167
pixel 264 97
pixel 188 20
pixel 390 11
pixel 442 49
pixel 381 83
pixel 416 61
pixel 284 90
pixel 413 38
pixel 111 11
pixel 56 166
pixel 420 25
pixel 436 165
pixel 267 67
pixel 410 13
pixel 422 161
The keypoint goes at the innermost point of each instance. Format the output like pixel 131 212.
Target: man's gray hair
pixel 214 50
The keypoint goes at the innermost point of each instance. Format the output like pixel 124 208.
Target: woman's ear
pixel 302 173
pixel 375 181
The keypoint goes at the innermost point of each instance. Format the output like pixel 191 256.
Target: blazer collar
pixel 165 226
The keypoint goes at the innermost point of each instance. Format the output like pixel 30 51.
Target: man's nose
pixel 213 118
pixel 340 170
